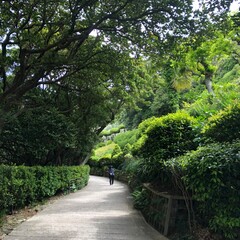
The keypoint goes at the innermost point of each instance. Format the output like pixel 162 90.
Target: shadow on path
pixel 99 211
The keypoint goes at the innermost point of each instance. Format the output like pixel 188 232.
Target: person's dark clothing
pixel 111 175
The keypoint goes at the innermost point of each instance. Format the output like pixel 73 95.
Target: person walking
pixel 111 175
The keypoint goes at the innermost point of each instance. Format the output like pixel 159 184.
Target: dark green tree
pixel 40 40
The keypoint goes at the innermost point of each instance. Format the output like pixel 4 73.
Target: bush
pixel 105 160
pixel 35 134
pixel 105 133
pixel 17 187
pixel 168 136
pixel 128 137
pixel 114 130
pixel 103 152
pixel 163 138
pixel 224 126
pixel 212 175
pixel 22 185
pixel 141 199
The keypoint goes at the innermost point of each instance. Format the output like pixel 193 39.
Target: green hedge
pixel 167 136
pixel 163 138
pixel 21 185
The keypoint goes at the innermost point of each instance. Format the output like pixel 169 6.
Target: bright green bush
pixel 163 138
pixel 143 126
pixel 128 137
pixel 167 136
pixel 21 186
pixel 103 152
pixel 105 133
pixel 212 175
pixel 105 160
pixel 116 151
pixel 115 130
pixel 127 149
pixel 117 157
pixel 107 155
pixel 224 126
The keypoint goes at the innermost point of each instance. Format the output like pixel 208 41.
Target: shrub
pixel 163 138
pixel 128 137
pixel 224 126
pixel 105 160
pixel 103 152
pixel 22 185
pixel 127 149
pixel 212 175
pixel 114 130
pixel 105 133
pixel 116 151
pixel 167 136
pixel 141 199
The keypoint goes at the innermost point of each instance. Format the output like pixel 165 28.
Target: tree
pixel 40 40
pixel 37 137
pixel 201 60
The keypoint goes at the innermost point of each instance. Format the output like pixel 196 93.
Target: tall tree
pixel 40 39
pixel 201 62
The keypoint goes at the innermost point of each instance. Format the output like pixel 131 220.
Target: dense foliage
pixel 86 56
pixel 211 174
pixel 38 137
pixel 21 186
pixel 167 136
pixel 67 68
pixel 224 126
pixel 128 137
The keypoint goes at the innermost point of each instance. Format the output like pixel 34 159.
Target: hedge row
pixel 21 185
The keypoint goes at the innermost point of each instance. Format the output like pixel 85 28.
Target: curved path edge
pixel 97 212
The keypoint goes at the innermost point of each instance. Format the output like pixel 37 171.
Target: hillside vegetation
pixel 193 148
pixel 149 87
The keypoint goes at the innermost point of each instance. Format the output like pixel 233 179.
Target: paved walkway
pixel 97 212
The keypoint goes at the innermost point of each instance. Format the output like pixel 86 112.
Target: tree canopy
pixel 85 59
pixel 46 42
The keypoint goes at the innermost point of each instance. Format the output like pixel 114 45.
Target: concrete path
pixel 97 212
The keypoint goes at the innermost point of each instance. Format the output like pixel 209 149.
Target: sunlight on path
pixel 99 211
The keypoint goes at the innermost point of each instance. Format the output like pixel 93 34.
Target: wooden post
pixel 168 215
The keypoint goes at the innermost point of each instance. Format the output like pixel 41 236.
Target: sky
pixel 234 6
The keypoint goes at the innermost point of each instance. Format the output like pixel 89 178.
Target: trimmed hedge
pixel 163 138
pixel 167 136
pixel 21 185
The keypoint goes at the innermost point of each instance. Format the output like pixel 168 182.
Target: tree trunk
pixel 86 159
pixel 208 84
pixel 58 157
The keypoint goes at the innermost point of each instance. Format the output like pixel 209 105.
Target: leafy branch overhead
pixel 81 61
pixel 40 39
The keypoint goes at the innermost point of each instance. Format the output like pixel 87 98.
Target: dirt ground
pixel 9 222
